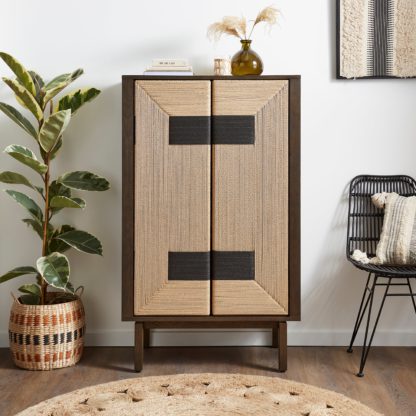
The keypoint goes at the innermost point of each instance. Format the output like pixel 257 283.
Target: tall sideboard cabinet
pixel 211 204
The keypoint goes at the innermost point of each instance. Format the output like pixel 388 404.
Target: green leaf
pixel 31 289
pixel 53 128
pixel 82 241
pixel 59 245
pixel 38 81
pixel 76 99
pixel 29 299
pixel 72 76
pixel 20 71
pixel 85 181
pixel 65 202
pixel 70 288
pixel 18 271
pixel 54 269
pixel 26 156
pixel 19 119
pixel 57 189
pixel 55 86
pixel 27 203
pixel 26 97
pixel 37 226
pixel 56 149
pixel 18 179
pixel 14 178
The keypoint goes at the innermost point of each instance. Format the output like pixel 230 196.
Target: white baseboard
pixel 239 337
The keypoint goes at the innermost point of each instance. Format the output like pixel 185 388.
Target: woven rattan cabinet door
pixel 250 197
pixel 172 197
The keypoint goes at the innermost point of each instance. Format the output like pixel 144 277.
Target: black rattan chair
pixel 364 227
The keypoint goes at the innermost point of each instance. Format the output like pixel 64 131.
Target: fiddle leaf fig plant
pixel 53 195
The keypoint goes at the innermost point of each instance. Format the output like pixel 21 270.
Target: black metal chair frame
pixel 365 222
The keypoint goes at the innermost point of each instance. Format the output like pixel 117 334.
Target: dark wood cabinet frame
pixel 143 324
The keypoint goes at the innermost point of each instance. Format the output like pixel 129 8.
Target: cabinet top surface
pixel 210 77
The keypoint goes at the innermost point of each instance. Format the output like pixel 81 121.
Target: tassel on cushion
pixel 379 200
pixel 360 256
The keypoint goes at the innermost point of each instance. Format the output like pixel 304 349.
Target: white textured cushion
pixel 397 243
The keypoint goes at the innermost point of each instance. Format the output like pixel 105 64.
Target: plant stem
pixel 44 284
pixel 46 215
pixel 251 32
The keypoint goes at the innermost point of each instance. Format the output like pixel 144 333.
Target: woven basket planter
pixel 45 337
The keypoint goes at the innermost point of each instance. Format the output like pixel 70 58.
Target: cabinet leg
pixel 146 341
pixel 275 335
pixel 282 344
pixel 138 346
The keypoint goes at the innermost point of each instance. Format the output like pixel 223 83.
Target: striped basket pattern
pixel 45 337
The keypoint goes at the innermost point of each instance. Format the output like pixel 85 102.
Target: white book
pixel 170 62
pixel 169 68
pixel 168 73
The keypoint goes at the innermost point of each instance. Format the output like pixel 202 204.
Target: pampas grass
pixel 268 15
pixel 229 25
pixel 237 26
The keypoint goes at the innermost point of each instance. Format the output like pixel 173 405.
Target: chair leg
pixel 411 294
pixel 361 311
pixel 367 346
pixel 138 346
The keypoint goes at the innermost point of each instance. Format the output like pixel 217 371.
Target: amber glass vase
pixel 246 61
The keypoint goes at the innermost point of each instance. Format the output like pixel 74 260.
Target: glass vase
pixel 246 61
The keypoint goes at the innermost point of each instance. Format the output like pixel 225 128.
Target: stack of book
pixel 169 67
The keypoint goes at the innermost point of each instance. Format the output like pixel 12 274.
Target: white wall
pixel 348 128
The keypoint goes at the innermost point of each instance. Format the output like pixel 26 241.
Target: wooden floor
pixel 389 385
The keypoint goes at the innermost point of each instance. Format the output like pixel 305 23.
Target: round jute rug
pixel 203 395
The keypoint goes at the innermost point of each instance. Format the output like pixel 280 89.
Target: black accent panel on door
pixel 233 129
pixel 189 265
pixel 189 130
pixel 233 265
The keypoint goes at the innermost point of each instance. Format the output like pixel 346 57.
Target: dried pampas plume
pixel 268 15
pixel 237 26
pixel 229 25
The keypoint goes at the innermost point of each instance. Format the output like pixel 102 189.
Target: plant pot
pixel 45 337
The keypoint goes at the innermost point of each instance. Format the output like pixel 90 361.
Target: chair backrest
pixel 364 219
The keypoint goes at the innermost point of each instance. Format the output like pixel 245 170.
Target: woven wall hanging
pixel 376 38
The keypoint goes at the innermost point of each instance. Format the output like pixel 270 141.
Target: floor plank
pixel 389 385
